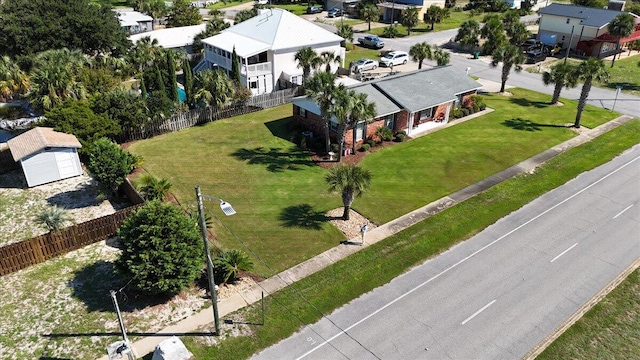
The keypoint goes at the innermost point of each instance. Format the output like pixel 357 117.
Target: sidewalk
pixel 287 277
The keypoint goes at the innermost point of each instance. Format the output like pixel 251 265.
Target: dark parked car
pixel 532 45
pixel 334 13
pixel 535 56
pixel 314 10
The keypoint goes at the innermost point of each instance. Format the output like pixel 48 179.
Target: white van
pixel 394 58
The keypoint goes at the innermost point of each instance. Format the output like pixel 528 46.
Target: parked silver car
pixel 365 64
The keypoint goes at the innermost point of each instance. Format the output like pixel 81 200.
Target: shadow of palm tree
pixel 302 216
pixel 624 85
pixel 527 125
pixel 276 159
pixel 525 102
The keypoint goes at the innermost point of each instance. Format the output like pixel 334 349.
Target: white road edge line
pixel 625 209
pixel 564 252
pixel 466 258
pixel 477 312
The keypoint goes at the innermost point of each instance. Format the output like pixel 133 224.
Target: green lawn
pixel 625 73
pixel 359 52
pixel 298 9
pixel 413 174
pixel 452 22
pixel 608 331
pixel 226 4
pixel 286 311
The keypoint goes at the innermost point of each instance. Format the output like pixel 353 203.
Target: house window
pixel 425 114
pixel 568 20
pixel 253 84
pixel 390 121
pixel 302 112
pixel 562 37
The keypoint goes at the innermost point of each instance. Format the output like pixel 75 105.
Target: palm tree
pixel 152 188
pixel 362 110
pixel 370 13
pixel 510 56
pixel 329 57
pixel 144 53
pixel 562 75
pixel 435 14
pixel 322 89
pixel 231 263
pixel 419 52
pixel 12 79
pixel 307 59
pixel 441 56
pixel 588 71
pixel 468 33
pixel 345 31
pixel 493 31
pixel 53 218
pixel 409 18
pixel 213 87
pixel 351 181
pixel 621 26
pixel 341 109
pixel 517 33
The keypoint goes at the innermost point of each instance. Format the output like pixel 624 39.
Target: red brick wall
pixel 402 121
pixel 312 121
pixel 466 99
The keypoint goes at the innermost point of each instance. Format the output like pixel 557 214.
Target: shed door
pixel 66 160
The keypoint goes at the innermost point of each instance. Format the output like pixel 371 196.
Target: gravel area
pixel 350 228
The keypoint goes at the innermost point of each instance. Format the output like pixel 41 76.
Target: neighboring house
pixel 46 155
pixel 513 4
pixel 135 22
pixel 583 28
pixel 177 38
pixel 392 10
pixel 413 102
pixel 266 45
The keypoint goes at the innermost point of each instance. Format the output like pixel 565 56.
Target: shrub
pixel 365 147
pixel 334 147
pixel 110 164
pixel 53 218
pixel 371 142
pixel 465 112
pixel 400 137
pixel 229 264
pixel 303 143
pixel 161 249
pixel 152 188
pixel 391 32
pixel 384 133
pixel 483 106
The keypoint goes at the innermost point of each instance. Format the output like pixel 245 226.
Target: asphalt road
pixel 498 294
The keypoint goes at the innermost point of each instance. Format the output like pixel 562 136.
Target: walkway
pixel 300 271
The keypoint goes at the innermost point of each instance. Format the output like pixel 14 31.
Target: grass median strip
pixel 328 289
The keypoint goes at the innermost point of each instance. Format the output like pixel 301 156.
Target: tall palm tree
pixel 435 14
pixel 350 181
pixel 329 57
pixel 341 109
pixel 362 110
pixel 144 53
pixel 588 71
pixel 562 75
pixel 419 52
pixel 468 33
pixel 322 89
pixel 621 26
pixel 510 56
pixel 213 87
pixel 517 33
pixel 307 59
pixel 409 18
pixel 441 56
pixel 345 31
pixel 370 13
pixel 13 80
pixel 493 31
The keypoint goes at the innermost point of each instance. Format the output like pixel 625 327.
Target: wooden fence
pixel 17 256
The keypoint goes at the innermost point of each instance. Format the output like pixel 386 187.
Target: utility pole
pixel 126 345
pixel 212 284
pixel 570 41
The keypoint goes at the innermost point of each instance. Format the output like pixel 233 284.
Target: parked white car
pixel 365 64
pixel 394 58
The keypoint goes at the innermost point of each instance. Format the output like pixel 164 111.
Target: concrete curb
pixel 285 278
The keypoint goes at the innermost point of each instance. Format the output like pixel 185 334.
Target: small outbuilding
pixel 46 155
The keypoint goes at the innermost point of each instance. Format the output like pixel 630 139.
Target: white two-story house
pixel 266 45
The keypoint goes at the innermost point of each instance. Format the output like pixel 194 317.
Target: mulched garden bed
pixel 321 159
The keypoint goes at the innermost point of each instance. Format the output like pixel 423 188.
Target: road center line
pixel 564 252
pixel 466 258
pixel 477 312
pixel 625 209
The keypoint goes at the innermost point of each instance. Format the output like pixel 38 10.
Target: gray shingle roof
pixel 590 16
pixel 384 105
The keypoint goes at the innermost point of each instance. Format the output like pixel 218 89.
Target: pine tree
pixel 235 69
pixel 172 89
pixel 188 80
pixel 143 88
pixel 159 85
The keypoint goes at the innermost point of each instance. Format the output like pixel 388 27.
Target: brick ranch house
pixel 413 102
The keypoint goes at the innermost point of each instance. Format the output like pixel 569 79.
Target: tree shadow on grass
pixel 624 85
pixel 527 103
pixel 92 285
pixel 276 159
pixel 282 128
pixel 527 125
pixel 302 216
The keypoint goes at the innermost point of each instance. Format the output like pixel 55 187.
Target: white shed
pixel 46 155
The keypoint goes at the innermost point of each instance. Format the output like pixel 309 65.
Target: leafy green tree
pixel 419 52
pixel 30 27
pixel 510 18
pixel 13 81
pixel 345 31
pixel 468 33
pixel 96 80
pixel 235 66
pixel 53 218
pixel 182 13
pixel 493 31
pixel 621 26
pixel 341 109
pixel 244 15
pixel 159 85
pixel 144 54
pixel 362 110
pixel 161 249
pixel 188 81
pixel 307 59
pixel 159 106
pixel 172 89
pixel 434 15
pixel 322 89
pixel 448 4
pixel 511 57
pixel 153 188
pixel 590 3
pixel 76 117
pixel 441 56
pixel 157 9
pixel 329 57
pixel 526 6
pixel 126 108
pixel 110 164
pixel 409 18
pixel 370 13
pixel 351 181
pixel 561 75
pixel 143 89
pixel 230 263
pixel 588 71
pixel 213 88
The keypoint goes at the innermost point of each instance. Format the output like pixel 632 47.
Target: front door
pixel 360 131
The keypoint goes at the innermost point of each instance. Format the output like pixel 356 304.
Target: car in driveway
pixel 335 12
pixel 536 56
pixel 394 58
pixel 314 10
pixel 365 64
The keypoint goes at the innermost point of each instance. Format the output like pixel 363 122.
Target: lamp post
pixel 228 210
